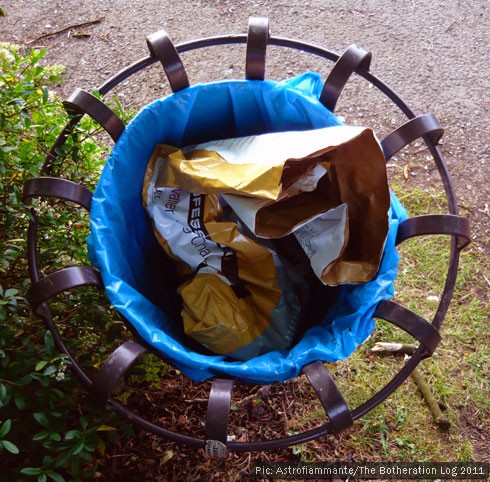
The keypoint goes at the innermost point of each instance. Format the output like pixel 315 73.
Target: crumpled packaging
pixel 328 187
pixel 237 299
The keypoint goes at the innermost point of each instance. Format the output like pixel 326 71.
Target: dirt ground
pixel 433 53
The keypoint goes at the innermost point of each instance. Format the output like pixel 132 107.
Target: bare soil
pixel 433 53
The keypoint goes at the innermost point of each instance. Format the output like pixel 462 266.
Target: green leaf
pixel 84 456
pixel 31 471
pixel 55 476
pixel 41 419
pixel 106 428
pixel 11 292
pixel 41 365
pixel 45 94
pixel 12 448
pixel 55 436
pixel 3 392
pixel 63 459
pixel 89 447
pixel 5 428
pixel 72 434
pixel 42 435
pixel 84 423
pixel 59 393
pixel 20 402
pixel 42 478
pixel 48 341
pixel 78 447
pixel 50 370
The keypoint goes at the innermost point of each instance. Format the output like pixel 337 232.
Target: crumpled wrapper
pixel 327 188
pixel 289 182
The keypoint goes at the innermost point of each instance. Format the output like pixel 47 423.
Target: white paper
pixel 323 238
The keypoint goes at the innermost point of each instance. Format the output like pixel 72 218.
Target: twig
pixel 284 412
pixel 422 385
pixel 451 25
pixel 196 400
pixel 81 35
pixel 57 32
pixel 262 392
pixel 393 348
pixel 433 404
pixel 3 380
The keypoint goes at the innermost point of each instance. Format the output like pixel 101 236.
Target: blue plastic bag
pixel 139 279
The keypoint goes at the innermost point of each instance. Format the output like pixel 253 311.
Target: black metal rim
pixel 383 393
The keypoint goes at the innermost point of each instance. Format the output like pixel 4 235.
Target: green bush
pixel 46 432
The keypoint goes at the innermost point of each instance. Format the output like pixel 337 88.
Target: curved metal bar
pixel 54 152
pixel 61 346
pixel 410 322
pixel 217 415
pixel 435 224
pixel 83 102
pixel 316 50
pixel 257 38
pixel 65 279
pixel 59 188
pixel 452 270
pixel 216 41
pixel 449 284
pixel 391 386
pixel 162 47
pixel 420 126
pixel 32 251
pixel 113 369
pixel 352 59
pixel 329 395
pixel 311 49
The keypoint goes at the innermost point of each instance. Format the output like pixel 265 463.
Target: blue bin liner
pixel 139 279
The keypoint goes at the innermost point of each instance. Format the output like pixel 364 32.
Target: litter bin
pixel 138 277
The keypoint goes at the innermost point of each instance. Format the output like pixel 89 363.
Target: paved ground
pixel 434 54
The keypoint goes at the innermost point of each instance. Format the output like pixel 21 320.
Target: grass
pixel 457 373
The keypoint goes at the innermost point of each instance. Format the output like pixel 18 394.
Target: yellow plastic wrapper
pixel 237 299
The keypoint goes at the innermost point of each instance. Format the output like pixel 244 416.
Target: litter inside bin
pixel 140 281
pixel 237 298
